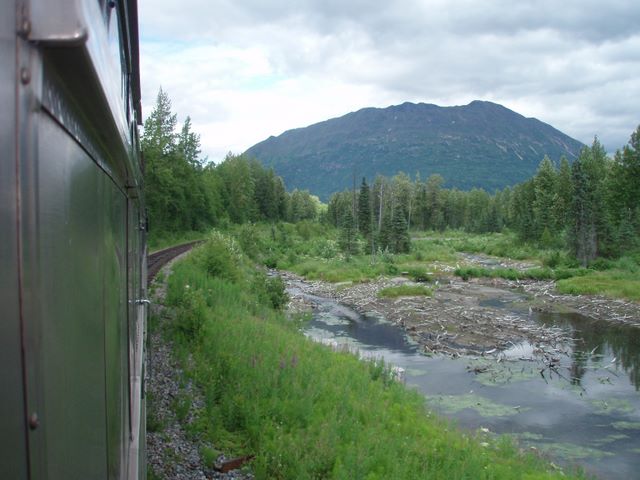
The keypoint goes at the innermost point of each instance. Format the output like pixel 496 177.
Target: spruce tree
pixel 400 240
pixel 365 219
pixel 582 233
pixel 347 239
pixel 434 202
pixel 364 209
pixel 564 192
pixel 544 201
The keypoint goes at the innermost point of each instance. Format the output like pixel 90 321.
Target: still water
pixel 580 404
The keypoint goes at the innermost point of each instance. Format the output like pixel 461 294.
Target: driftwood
pixel 233 464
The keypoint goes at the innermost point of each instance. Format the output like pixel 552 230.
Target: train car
pixel 72 240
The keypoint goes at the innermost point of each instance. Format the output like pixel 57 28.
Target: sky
pixel 244 70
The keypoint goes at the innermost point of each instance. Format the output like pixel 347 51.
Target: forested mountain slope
pixel 482 144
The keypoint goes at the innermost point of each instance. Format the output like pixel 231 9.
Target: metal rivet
pixel 34 421
pixel 25 27
pixel 25 76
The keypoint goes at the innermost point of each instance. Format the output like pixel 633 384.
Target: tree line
pixel 590 207
pixel 183 192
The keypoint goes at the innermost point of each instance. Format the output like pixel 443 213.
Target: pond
pixel 579 403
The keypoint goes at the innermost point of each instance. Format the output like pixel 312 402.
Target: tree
pixel 402 191
pixel 564 193
pixel 434 202
pixel 364 209
pixel 521 201
pixel 365 220
pixel 582 238
pixel 544 184
pixel 159 128
pixel 347 239
pixel 239 191
pixel 624 183
pixel 189 145
pixel 400 240
pixel 385 234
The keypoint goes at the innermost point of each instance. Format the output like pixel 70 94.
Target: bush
pixel 219 257
pixel 250 241
pixel 601 264
pixel 191 314
pixel 418 274
pixel 272 291
pixel 552 260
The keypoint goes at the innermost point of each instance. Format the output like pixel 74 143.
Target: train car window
pixel 115 43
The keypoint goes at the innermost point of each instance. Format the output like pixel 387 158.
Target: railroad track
pixel 157 260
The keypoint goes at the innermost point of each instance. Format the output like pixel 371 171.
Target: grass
pixel 356 269
pixel 513 274
pixel 405 291
pixel 613 284
pixel 303 410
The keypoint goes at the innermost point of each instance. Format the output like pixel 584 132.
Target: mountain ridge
pixel 482 144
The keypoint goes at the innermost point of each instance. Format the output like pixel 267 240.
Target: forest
pixel 590 208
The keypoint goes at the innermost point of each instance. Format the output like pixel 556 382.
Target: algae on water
pixel 618 405
pixel 622 425
pixel 484 406
pixel 571 451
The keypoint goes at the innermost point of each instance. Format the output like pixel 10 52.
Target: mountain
pixel 482 144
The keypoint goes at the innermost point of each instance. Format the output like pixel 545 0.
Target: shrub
pixel 272 290
pixel 601 264
pixel 418 274
pixel 191 313
pixel 250 241
pixel 552 260
pixel 219 257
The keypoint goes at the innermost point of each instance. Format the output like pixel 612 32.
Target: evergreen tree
pixel 582 237
pixel 434 202
pixel 521 201
pixel 365 220
pixel 189 145
pixel 347 239
pixel 400 240
pixel 624 184
pixel 564 192
pixel 159 128
pixel 544 200
pixel 422 208
pixel 364 209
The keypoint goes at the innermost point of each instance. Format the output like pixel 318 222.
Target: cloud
pixel 247 70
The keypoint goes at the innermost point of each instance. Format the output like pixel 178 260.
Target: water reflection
pixel 599 343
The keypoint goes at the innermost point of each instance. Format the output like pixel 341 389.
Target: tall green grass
pixel 303 410
pixel 405 291
pixel 613 283
pixel 514 274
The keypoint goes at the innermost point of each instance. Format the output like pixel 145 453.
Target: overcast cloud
pixel 247 69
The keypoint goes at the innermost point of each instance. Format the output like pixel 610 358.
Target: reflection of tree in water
pixel 599 337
